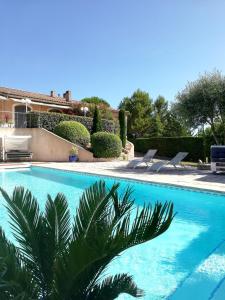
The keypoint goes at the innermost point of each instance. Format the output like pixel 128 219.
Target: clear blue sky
pixel 109 48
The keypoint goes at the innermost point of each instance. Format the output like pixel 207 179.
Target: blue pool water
pixel 186 262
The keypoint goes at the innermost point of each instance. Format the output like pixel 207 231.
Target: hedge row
pixel 49 120
pixel 169 146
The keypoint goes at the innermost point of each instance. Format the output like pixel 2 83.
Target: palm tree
pixel 56 260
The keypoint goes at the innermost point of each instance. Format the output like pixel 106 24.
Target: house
pixel 14 104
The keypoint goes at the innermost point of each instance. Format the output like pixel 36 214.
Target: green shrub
pixel 73 131
pixel 106 144
pixel 169 146
pixel 49 120
pixel 123 127
pixel 97 121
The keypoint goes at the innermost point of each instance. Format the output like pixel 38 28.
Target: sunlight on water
pixel 155 260
pixel 213 267
pixel 177 263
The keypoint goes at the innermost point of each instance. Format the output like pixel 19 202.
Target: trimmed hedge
pixel 49 120
pixel 74 132
pixel 169 146
pixel 106 145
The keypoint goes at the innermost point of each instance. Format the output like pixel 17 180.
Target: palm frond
pixel 107 239
pixel 24 212
pixel 29 231
pixel 15 280
pixel 147 225
pixel 64 264
pixel 89 236
pixel 57 216
pixel 111 287
pixel 93 208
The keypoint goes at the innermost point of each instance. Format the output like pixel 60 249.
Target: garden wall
pixel 49 120
pixel 47 146
pixel 169 146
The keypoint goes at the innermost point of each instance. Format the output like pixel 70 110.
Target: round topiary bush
pixel 106 144
pixel 74 132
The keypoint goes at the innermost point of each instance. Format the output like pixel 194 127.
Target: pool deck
pixel 186 177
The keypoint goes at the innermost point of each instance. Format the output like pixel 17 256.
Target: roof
pixel 35 96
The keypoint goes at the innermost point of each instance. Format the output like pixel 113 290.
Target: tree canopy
pixel 202 102
pixel 161 107
pixel 139 106
pixel 95 100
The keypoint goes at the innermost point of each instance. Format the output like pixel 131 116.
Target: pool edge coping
pixel 198 189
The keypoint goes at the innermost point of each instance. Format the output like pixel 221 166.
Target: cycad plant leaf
pixel 66 264
pixel 111 287
pixel 24 212
pixel 111 232
pixel 58 222
pixel 89 236
pixel 15 280
pixel 28 229
pixel 147 225
pixel 93 208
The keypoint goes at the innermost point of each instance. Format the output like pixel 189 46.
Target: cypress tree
pixel 123 127
pixel 97 121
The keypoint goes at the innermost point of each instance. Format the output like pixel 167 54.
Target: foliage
pixel 160 107
pixel 209 140
pixel 49 120
pixel 56 259
pixel 97 121
pixel 106 145
pixel 203 102
pixel 74 151
pixel 123 127
pixel 156 127
pixel 139 106
pixel 74 132
pixel 106 112
pixel 152 119
pixel 174 126
pixel 165 122
pixel 96 101
pixel 170 146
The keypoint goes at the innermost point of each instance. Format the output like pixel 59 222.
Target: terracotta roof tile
pixel 35 96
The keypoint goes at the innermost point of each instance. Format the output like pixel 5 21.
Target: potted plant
pixel 73 154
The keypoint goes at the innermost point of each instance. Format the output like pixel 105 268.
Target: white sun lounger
pixel 174 162
pixel 147 159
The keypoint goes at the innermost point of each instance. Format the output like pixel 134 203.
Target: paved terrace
pixel 186 177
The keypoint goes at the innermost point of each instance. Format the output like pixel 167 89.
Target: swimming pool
pixel 186 262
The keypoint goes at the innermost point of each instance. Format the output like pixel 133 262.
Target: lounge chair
pixel 176 160
pixel 147 159
pixel 17 147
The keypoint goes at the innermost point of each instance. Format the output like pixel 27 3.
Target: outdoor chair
pixel 17 147
pixel 147 159
pixel 176 160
